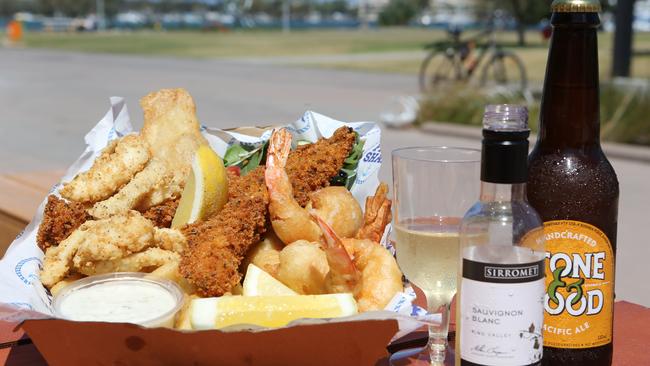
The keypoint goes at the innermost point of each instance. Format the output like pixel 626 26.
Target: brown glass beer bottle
pixel 574 188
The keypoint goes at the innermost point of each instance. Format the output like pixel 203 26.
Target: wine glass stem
pixel 438 333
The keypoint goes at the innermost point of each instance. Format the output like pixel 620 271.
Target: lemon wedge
pixel 206 189
pixel 267 311
pixel 259 283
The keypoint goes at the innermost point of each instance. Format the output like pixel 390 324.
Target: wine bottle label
pixel 579 285
pixel 501 313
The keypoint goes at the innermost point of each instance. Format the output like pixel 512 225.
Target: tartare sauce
pixel 126 300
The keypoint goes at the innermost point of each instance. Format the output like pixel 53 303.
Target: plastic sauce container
pixel 123 297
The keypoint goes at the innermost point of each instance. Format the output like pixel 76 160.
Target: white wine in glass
pixel 427 251
pixel 433 188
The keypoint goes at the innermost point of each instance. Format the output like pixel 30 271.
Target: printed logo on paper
pixel 579 285
pixel 22 305
pixel 373 155
pixel 28 274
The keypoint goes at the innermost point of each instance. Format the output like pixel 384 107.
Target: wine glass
pixel 433 188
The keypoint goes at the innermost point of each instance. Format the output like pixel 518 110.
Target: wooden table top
pixel 20 196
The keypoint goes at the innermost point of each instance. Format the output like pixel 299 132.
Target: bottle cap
pixel 505 117
pixel 505 144
pixel 576 6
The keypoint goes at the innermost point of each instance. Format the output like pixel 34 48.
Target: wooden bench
pixel 20 195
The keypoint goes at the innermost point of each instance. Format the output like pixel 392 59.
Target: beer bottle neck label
pixel 579 296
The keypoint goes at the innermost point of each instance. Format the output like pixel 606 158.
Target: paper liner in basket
pixel 23 295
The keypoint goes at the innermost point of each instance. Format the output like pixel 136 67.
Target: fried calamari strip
pixel 148 259
pixel 218 245
pixel 60 219
pixel 115 167
pixel 106 241
pixel 173 134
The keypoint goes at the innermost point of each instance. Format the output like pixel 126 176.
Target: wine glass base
pixel 419 356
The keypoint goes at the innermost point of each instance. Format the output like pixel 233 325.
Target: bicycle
pixel 453 61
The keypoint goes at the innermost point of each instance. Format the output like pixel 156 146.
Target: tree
pixel 526 13
pixel 623 38
pixel 8 7
pixel 398 12
pixel 74 8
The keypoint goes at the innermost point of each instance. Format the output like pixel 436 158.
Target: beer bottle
pixel 574 188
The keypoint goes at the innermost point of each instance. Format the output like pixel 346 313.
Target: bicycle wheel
pixel 438 68
pixel 506 69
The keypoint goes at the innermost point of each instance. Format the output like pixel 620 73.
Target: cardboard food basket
pixel 355 340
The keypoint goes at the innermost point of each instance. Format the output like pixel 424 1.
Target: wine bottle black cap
pixel 505 144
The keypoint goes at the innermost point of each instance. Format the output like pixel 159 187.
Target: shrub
pixel 624 109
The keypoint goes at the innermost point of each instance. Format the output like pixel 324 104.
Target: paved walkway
pixel 49 100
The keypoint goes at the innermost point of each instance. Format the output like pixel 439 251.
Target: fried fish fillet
pixel 173 134
pixel 60 218
pixel 162 215
pixel 311 167
pixel 115 167
pixel 217 246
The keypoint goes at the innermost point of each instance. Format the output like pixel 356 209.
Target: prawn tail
pixel 275 177
pixel 377 216
pixel 279 148
pixel 343 275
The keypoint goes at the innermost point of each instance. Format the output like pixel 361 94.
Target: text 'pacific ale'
pixel 574 188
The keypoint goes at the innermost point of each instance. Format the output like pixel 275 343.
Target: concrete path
pixel 49 100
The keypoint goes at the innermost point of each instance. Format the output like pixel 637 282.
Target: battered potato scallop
pixel 303 267
pixel 340 210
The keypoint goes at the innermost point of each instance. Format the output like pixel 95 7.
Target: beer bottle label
pixel 579 296
pixel 501 313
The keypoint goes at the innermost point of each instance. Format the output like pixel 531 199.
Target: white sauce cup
pixel 121 297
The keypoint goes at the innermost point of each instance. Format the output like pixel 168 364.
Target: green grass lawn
pixel 237 43
pixel 534 57
pixel 312 42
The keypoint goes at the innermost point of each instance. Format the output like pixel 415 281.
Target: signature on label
pixel 490 351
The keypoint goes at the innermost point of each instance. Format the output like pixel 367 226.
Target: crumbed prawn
pixel 377 215
pixel 290 221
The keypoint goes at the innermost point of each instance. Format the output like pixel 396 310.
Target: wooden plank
pixel 19 200
pixel 41 180
pixel 20 196
pixel 9 228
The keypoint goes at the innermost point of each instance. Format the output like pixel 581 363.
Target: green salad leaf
pixel 245 158
pixel 348 173
pixel 248 158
